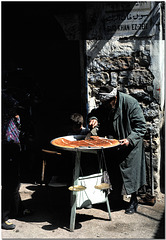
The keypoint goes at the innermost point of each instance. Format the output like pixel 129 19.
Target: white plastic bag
pixel 90 195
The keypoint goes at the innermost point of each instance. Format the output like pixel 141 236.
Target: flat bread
pixel 93 142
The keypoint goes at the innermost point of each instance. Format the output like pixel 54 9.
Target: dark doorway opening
pixel 41 67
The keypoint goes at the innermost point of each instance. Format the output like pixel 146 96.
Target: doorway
pixel 38 59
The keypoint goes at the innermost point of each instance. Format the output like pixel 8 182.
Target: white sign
pixel 128 18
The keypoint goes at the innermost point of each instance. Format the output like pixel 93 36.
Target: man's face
pixel 110 104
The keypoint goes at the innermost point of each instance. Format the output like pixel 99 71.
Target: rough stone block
pixel 140 78
pixel 140 95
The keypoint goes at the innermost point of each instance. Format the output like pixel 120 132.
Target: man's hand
pixel 124 142
pixel 93 123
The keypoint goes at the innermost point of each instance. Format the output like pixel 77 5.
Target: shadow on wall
pixel 102 38
pixel 162 159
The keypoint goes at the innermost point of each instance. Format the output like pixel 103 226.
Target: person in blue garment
pixel 12 206
pixel 120 117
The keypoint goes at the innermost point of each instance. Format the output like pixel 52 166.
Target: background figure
pixel 89 164
pixel 121 117
pixel 76 128
pixel 11 201
pixel 66 164
pixel 77 125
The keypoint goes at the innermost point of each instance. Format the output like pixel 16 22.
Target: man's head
pixel 108 96
pixel 77 122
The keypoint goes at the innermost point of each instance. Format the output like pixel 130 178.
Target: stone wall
pixel 133 65
pixel 130 74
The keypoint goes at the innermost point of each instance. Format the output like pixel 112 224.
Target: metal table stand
pixel 74 194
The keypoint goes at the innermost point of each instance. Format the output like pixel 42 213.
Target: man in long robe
pixel 120 117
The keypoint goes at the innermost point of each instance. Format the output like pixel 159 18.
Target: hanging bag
pixel 95 190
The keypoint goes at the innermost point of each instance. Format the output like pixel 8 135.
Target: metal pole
pixel 151 162
pixel 74 194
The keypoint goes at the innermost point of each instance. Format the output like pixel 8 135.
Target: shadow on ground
pixel 160 234
pixel 52 205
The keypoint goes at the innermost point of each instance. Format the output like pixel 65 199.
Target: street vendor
pixel 120 117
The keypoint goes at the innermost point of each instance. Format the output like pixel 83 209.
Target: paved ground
pixel 51 219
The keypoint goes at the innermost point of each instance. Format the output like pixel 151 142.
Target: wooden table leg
pixel 43 170
pixel 76 173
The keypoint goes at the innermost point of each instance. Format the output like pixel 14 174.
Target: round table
pixel 76 173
